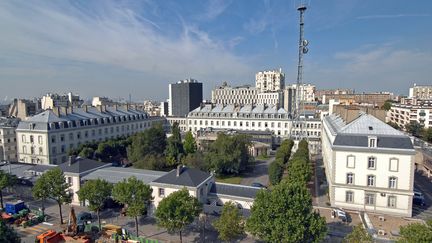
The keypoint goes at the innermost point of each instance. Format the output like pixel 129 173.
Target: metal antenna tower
pixel 299 86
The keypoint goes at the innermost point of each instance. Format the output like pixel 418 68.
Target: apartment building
pixel 270 81
pixel 376 99
pixel 22 108
pixel 49 101
pixel 8 143
pixel 307 91
pixel 47 137
pixel 184 96
pixel 421 92
pixel 369 165
pixel 402 115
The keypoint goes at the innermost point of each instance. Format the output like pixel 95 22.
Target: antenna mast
pixel 297 122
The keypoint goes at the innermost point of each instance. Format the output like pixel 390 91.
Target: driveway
pixel 259 173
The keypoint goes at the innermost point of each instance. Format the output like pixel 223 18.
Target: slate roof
pixel 117 174
pixel 383 141
pixel 253 109
pixel 189 177
pixel 234 190
pixel 81 165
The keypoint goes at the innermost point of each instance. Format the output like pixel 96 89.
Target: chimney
pixel 56 111
pixel 85 108
pixel 64 110
pixel 179 170
pixel 71 160
pixel 99 107
pixel 115 107
pixel 70 110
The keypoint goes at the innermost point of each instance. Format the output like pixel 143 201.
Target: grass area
pixel 263 157
pixel 229 179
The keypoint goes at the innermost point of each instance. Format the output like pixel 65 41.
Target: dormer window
pixel 372 142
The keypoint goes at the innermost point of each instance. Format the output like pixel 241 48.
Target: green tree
pixel 174 150
pixel 427 134
pixel 230 225
pixel 94 193
pixel 358 235
pixel 228 154
pixel 283 153
pixel 285 214
pixel 152 162
pixel 135 195
pixel 416 232
pixel 6 180
pixel 86 152
pixel 52 185
pixel 8 234
pixel 387 105
pixel 150 141
pixel 414 128
pixel 177 210
pixel 275 172
pixel 189 144
pixel 394 125
pixel 195 160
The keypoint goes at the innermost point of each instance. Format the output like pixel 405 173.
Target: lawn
pixel 229 179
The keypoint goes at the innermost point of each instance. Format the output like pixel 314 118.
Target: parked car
pixel 418 198
pixel 257 184
pixel 3 162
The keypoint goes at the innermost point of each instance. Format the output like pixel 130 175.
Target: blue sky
pixel 117 48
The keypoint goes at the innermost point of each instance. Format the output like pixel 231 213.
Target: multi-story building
pixel 50 101
pixel 319 93
pixel 307 91
pixel 270 81
pixel 416 101
pixel 184 96
pixel 101 101
pixel 248 117
pixel 245 95
pixel 21 108
pixel 152 108
pixel 376 99
pixel 8 144
pixel 369 165
pixel 47 137
pixel 164 108
pixel 402 115
pixel 421 92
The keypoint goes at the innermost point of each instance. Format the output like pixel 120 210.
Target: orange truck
pixel 51 236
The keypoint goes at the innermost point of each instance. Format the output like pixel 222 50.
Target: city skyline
pixel 115 49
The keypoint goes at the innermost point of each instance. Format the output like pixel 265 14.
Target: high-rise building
pixel 50 101
pixel 307 91
pixel 184 96
pixel 421 92
pixel 270 81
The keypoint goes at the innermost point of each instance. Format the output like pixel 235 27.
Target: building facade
pixel 47 137
pixel 403 115
pixel 369 165
pixel 8 143
pixel 50 101
pixel 270 81
pixel 307 91
pixel 421 92
pixel 21 108
pixel 184 96
pixel 376 99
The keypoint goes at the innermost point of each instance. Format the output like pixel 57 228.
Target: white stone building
pixel 50 101
pixel 369 165
pixel 421 92
pixel 47 137
pixel 8 143
pixel 402 115
pixel 307 91
pixel 270 81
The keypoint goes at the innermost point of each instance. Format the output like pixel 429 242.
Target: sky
pixel 117 48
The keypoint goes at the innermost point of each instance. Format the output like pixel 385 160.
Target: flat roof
pixel 118 174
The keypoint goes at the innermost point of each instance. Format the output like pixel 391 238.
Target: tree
pixel 416 232
pixel 285 214
pixel 177 210
pixel 230 225
pixel 358 235
pixel 135 195
pixel 95 192
pixel 8 234
pixel 87 153
pixel 6 180
pixel 228 154
pixel 150 141
pixel 427 134
pixel 52 184
pixel 394 125
pixel 283 153
pixel 189 144
pixel 387 105
pixel 195 160
pixel 275 172
pixel 414 128
pixel 174 149
pixel 152 162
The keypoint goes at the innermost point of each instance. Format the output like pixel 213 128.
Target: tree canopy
pixel 189 144
pixel 283 153
pixel 416 232
pixel 52 184
pixel 285 214
pixel 94 193
pixel 275 171
pixel 8 234
pixel 135 195
pixel 174 149
pixel 6 180
pixel 358 235
pixel 177 210
pixel 150 141
pixel 230 224
pixel 299 168
pixel 228 154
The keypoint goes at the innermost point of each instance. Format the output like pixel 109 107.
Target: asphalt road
pixel 423 184
pixel 259 173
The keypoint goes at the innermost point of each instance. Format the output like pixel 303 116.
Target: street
pixel 423 184
pixel 259 173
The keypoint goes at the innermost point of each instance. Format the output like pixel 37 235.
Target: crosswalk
pixel 32 230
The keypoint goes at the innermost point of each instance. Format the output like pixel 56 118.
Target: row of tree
pixel 107 151
pixel 417 130
pixel 277 167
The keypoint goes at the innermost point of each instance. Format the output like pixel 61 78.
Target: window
pixel 372 142
pixel 391 203
pixel 350 178
pixel 371 163
pixel 24 148
pixel 350 161
pixel 394 165
pixel 53 139
pixel 62 138
pixel 69 180
pixel 31 139
pixel 40 139
pixel 371 180
pixel 393 182
pixel 349 196
pixel 370 199
pixel 161 192
pixel 23 139
pixel 40 151
pixel 32 150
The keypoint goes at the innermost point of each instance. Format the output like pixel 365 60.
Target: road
pixel 424 184
pixel 259 173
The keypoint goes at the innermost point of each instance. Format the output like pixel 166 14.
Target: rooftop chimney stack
pixel 71 160
pixel 179 170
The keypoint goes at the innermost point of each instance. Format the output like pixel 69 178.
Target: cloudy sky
pixel 104 48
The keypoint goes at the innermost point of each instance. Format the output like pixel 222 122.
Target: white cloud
pixel 112 35
pixel 392 16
